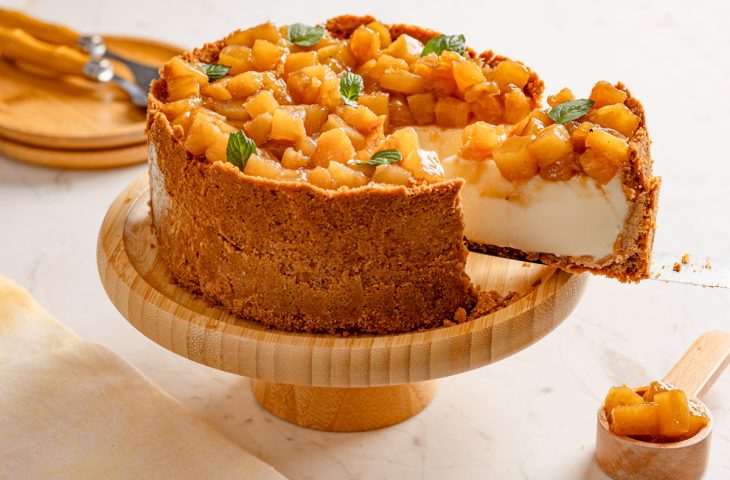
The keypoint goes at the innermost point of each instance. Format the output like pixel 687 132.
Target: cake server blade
pixel 699 270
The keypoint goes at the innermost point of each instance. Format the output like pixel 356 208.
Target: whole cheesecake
pixel 329 179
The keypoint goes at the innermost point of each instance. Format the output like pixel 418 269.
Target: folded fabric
pixel 79 411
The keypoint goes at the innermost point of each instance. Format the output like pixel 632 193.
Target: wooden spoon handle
pixel 47 32
pixel 17 44
pixel 700 366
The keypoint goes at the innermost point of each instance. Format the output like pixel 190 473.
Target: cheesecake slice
pixel 330 179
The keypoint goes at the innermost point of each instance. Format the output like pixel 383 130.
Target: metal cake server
pixel 700 271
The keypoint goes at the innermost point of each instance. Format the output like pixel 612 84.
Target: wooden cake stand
pixel 322 381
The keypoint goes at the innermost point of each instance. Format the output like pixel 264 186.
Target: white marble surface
pixel 530 416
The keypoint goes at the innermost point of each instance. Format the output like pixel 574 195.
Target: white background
pixel 530 416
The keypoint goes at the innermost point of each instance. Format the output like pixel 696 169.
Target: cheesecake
pixel 333 178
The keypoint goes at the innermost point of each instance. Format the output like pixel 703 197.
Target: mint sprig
pixel 383 157
pixel 239 149
pixel 570 110
pixel 214 70
pixel 304 35
pixel 455 43
pixel 351 85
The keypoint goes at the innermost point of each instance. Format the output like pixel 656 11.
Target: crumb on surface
pixel 677 267
pixel 707 264
pixel 460 315
pixel 685 258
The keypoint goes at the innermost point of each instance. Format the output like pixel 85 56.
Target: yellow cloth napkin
pixel 71 409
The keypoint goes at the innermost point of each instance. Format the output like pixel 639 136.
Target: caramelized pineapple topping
pixel 321 109
pixel 662 414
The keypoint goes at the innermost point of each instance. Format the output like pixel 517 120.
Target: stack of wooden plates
pixel 73 122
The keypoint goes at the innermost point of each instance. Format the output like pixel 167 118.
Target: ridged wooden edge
pixel 322 360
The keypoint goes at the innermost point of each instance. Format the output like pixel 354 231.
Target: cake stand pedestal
pixel 320 381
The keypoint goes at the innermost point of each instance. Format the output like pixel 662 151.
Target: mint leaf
pixel 383 157
pixel 239 149
pixel 438 44
pixel 214 70
pixel 304 35
pixel 351 85
pixel 570 110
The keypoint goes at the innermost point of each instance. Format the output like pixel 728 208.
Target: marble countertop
pixel 530 416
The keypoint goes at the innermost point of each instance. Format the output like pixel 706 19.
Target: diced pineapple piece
pixel 386 63
pixel 294 159
pixel 321 177
pixel 265 31
pixel 509 72
pixel 238 57
pixel 405 140
pixel 258 128
pixel 466 74
pixel 245 84
pixel 516 106
pixel 398 112
pixel 333 145
pixel 314 118
pixel 451 112
pixel 633 420
pixel 403 81
pixel 177 67
pixel 362 118
pixel 604 93
pixel 337 56
pixel 266 55
pixel 277 86
pixel 392 174
pixel 346 176
pixel 329 92
pixel 376 101
pixel 514 161
pixel 423 108
pixel 183 120
pixel 364 43
pixel 334 121
pixel 564 95
pixel 618 396
pixel 304 89
pixel 287 125
pixel 405 47
pixel 182 87
pixel 260 166
pixel 231 109
pixel 307 146
pixel 299 60
pixel 550 145
pixel 578 137
pixel 217 90
pixel 479 141
pixel 698 418
pixel 424 165
pixel 611 146
pixel 474 92
pixel 673 413
pixel 174 109
pixel 383 32
pixel 262 102
pixel 216 152
pixel 201 134
pixel 598 166
pixel 617 117
pixel 489 108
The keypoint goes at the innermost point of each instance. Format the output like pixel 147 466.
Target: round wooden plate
pixel 42 109
pixel 78 159
pixel 379 380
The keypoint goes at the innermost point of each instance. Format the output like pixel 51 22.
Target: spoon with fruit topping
pixel 662 431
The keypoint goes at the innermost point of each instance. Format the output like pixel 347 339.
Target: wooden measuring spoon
pixel 624 458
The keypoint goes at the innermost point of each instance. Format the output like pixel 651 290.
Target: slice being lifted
pixel 324 179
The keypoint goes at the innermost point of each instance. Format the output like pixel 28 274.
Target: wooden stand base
pixel 344 409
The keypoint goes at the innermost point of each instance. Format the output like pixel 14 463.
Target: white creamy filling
pixel 577 217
